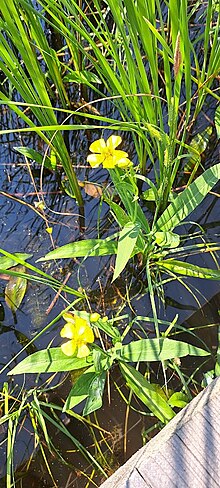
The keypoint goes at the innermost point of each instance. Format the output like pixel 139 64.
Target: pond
pixel 64 449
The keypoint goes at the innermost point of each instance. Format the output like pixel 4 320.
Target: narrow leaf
pixel 158 350
pixel 189 269
pixel 90 247
pixel 6 262
pixel 127 240
pixel 96 389
pixel 50 361
pixel 188 200
pixel 80 390
pixel 147 393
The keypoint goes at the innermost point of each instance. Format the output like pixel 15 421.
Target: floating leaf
pixel 50 361
pixel 15 289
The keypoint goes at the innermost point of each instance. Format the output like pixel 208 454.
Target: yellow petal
pixel 69 317
pixel 83 351
pixel 113 141
pixel 124 163
pixel 109 162
pixel 97 146
pixel 95 159
pixel 84 333
pixel 68 348
pixel 68 331
pixel 119 154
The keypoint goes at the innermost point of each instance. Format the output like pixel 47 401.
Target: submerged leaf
pixel 198 144
pixel 217 121
pixel 92 190
pixel 15 289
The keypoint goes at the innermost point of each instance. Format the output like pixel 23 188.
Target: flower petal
pixel 113 141
pixel 68 331
pixel 68 348
pixel 69 317
pixel 83 351
pixel 109 162
pixel 97 146
pixel 95 159
pixel 84 333
pixel 119 154
pixel 124 163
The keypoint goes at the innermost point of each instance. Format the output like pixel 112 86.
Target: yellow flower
pixel 106 154
pixel 79 333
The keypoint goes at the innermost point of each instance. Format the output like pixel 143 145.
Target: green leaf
pixel 167 239
pixel 15 289
pixel 147 393
pixel 188 269
pixel 81 77
pixel 188 200
pixel 178 399
pixel 127 240
pixel 158 350
pixel 217 121
pixel 90 247
pixel 35 155
pixel 96 389
pixel 50 361
pixel 6 263
pixel 80 390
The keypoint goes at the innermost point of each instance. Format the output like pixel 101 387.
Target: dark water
pixel 23 230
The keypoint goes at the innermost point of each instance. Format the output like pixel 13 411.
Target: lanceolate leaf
pixel 50 361
pixel 147 393
pixel 90 247
pixel 126 242
pixel 15 289
pixel 188 269
pixel 80 390
pixel 158 350
pixel 96 389
pixel 188 200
